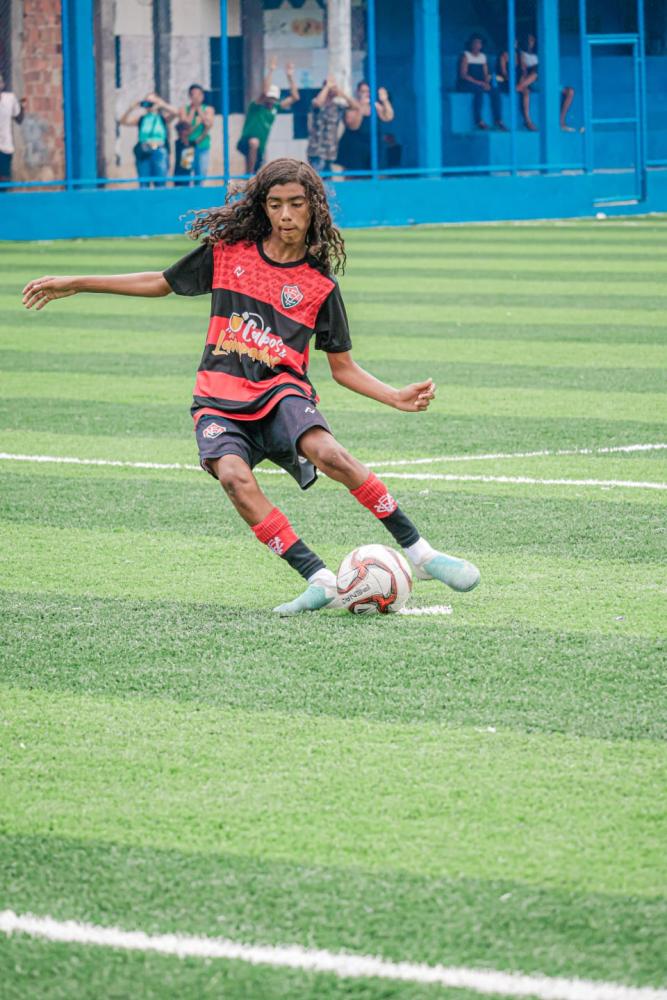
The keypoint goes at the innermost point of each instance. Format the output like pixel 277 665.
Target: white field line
pixel 520 454
pixel 433 609
pixel 530 480
pixel 419 476
pixel 346 966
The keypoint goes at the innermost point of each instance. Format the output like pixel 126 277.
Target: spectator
pixel 199 116
pixel 474 78
pixel 354 151
pixel 528 61
pixel 327 111
pixel 151 151
pixel 10 108
pixel 261 115
pixel 184 156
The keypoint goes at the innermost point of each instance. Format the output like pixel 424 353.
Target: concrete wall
pixel 37 75
pixel 193 23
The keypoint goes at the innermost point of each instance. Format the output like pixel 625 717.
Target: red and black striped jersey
pixel 263 316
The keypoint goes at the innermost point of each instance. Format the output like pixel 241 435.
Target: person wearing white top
pixel 528 70
pixel 10 109
pixel 474 78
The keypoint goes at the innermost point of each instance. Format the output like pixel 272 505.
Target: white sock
pixel 323 578
pixel 420 551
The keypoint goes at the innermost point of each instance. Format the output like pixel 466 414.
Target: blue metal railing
pixel 73 168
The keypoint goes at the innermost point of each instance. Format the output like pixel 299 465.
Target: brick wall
pixel 37 76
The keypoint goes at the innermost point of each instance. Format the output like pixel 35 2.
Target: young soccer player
pixel 267 258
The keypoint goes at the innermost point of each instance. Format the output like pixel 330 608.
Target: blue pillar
pixel 372 81
pixel 428 83
pixel 224 88
pixel 548 39
pixel 79 89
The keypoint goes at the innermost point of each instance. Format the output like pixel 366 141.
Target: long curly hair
pixel 243 219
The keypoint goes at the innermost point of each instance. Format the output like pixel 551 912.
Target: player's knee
pixel 253 143
pixel 333 459
pixel 234 476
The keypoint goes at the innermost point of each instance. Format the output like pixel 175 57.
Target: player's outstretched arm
pixel 150 284
pixel 412 398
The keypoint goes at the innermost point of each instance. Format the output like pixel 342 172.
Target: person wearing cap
pixel 261 115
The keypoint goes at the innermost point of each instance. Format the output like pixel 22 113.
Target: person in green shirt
pixel 199 116
pixel 151 116
pixel 261 115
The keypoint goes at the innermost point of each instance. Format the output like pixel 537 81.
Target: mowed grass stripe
pixel 457 921
pixel 632 379
pixel 176 317
pixel 525 265
pixel 424 799
pixel 613 597
pixel 518 677
pixel 440 286
pixel 75 352
pixel 532 524
pixel 60 971
pixel 149 389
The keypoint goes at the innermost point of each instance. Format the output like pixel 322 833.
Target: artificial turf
pixel 483 788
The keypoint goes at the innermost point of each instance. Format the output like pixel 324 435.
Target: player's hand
pixel 289 69
pixel 42 290
pixel 273 64
pixel 383 95
pixel 416 397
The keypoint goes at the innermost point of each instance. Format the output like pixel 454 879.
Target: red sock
pixel 276 532
pixel 374 494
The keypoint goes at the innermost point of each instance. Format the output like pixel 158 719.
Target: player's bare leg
pixel 322 449
pixel 272 527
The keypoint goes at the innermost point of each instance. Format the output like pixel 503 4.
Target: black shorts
pixel 243 147
pixel 5 165
pixel 274 436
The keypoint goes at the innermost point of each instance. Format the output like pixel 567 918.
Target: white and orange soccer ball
pixel 374 579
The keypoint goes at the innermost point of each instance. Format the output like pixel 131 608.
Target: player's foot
pixel 320 593
pixel 459 574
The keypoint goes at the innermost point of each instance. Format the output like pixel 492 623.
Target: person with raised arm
pixel 261 115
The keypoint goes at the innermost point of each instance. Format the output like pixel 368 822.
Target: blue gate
pixel 615 113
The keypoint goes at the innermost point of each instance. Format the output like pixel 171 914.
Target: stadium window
pixel 117 57
pixel 235 52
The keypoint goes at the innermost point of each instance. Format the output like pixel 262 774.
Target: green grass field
pixel 483 789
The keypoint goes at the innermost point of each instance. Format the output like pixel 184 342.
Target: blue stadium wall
pixel 431 135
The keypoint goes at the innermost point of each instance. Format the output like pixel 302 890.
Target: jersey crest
pixel 290 296
pixel 213 431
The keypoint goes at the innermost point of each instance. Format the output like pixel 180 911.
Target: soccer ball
pixel 374 579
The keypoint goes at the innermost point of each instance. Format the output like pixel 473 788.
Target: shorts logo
pixel 213 431
pixel 276 545
pixel 290 296
pixel 309 409
pixel 385 505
